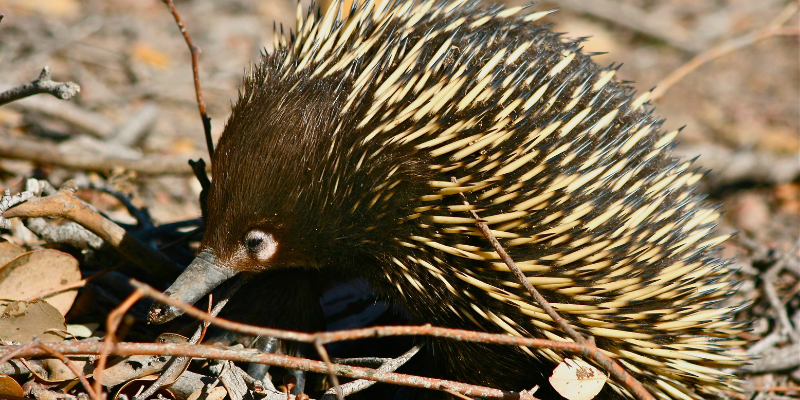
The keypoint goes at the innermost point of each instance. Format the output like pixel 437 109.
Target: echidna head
pixel 285 190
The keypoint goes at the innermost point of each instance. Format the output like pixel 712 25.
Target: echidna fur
pixel 343 144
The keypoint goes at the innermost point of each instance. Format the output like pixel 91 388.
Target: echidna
pixel 339 156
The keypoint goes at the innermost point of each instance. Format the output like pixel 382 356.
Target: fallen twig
pixel 636 19
pixel 88 122
pixel 179 363
pixel 65 204
pixel 730 166
pixel 112 323
pixel 252 356
pixel 62 90
pixel 134 129
pixel 329 366
pixel 49 154
pixel 81 376
pixel 390 365
pixel 353 334
pixel 775 28
pixel 201 105
pixel 590 350
pixel 767 279
pixel 775 359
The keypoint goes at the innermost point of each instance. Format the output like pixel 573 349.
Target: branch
pixel 354 334
pixel 62 90
pixel 89 122
pixel 587 349
pixel 201 104
pixel 49 154
pixel 65 204
pixel 619 373
pixel 390 365
pixel 252 356
pixel 636 19
pixel 729 166
pixel 775 28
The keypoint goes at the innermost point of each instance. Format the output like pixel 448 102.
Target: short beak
pixel 199 278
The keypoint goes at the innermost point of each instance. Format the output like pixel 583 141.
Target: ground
pixel 129 57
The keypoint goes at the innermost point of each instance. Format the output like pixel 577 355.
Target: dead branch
pixel 252 356
pixel 180 363
pixel 49 154
pixel 731 166
pixel 136 127
pixel 635 19
pixel 775 359
pixel 390 365
pixel 62 90
pixel 112 323
pixel 353 334
pixel 81 376
pixel 775 28
pixel 619 373
pixel 323 354
pixel 770 276
pixel 86 121
pixel 201 104
pixel 64 204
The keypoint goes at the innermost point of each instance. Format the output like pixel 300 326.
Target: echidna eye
pixel 253 242
pixel 261 245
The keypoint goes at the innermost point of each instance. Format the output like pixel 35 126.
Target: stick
pixel 62 90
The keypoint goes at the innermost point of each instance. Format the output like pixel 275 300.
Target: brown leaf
pixel 36 272
pixel 21 321
pixel 130 368
pixel 58 372
pixel 9 251
pixel 576 379
pixel 132 388
pixel 9 386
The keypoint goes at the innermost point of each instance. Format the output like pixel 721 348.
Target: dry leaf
pixel 21 321
pixel 131 368
pixel 50 8
pixel 8 252
pixel 58 372
pixel 150 56
pixel 82 330
pixel 136 386
pixel 218 393
pixel 40 271
pixel 10 387
pixel 576 379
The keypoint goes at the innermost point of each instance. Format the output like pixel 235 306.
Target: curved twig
pixel 775 28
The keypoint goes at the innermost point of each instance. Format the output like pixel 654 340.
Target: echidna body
pixel 340 155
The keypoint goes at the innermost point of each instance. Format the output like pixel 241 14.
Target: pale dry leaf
pixel 82 330
pixel 40 271
pixel 576 379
